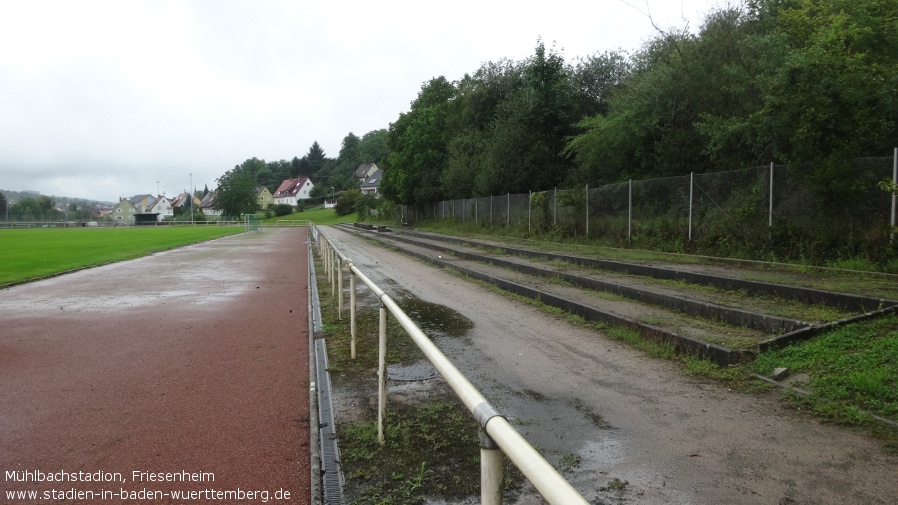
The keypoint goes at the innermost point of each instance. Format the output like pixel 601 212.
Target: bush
pixel 346 202
pixel 283 209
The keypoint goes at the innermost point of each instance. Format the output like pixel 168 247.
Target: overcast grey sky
pixel 102 99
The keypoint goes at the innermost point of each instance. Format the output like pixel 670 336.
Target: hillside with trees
pixel 786 81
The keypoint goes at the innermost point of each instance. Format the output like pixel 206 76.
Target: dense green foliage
pixel 236 193
pixel 282 209
pixel 34 253
pixel 799 82
pixel 790 81
pixel 346 202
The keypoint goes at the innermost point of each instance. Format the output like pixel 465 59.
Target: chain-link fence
pixel 780 208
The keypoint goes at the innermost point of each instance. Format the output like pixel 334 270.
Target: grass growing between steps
pixel 850 372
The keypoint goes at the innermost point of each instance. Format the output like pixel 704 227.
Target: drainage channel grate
pixel 331 474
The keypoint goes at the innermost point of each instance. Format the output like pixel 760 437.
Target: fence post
pixel 691 182
pixel 630 210
pixel 555 207
pixel 382 374
pixel 352 314
pixel 770 212
pixel 491 475
pixel 894 197
pixel 587 211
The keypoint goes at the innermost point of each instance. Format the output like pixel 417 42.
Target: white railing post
pixel 691 182
pixel 382 375
pixel 352 309
pixel 331 273
pixel 339 289
pixel 491 473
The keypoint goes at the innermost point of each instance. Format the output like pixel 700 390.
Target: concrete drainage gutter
pixel 327 475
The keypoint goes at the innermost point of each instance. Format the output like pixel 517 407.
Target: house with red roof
pixel 292 190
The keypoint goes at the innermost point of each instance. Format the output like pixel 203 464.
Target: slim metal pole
pixel 894 188
pixel 770 212
pixel 691 182
pixel 630 211
pixel 333 260
pixel 529 207
pixel 508 211
pixel 352 308
pixel 555 207
pixel 491 475
pixel 382 375
pixel 587 211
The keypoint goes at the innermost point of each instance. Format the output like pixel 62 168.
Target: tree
pixel 417 142
pixel 373 147
pixel 316 158
pixel 236 193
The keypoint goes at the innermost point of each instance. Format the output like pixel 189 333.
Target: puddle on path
pixel 436 321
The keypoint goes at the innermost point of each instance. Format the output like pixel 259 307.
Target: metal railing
pixel 497 436
pixel 291 222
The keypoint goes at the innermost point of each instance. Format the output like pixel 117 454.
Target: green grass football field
pixel 34 253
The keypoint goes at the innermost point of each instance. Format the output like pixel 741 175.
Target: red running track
pixel 188 364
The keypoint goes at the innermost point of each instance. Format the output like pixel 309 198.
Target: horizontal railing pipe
pixel 547 481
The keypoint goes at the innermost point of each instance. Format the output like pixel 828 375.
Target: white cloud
pixel 103 98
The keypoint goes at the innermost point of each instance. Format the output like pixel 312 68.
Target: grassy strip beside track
pixel 318 216
pixel 35 253
pixel 431 444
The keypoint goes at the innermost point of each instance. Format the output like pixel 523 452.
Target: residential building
pixel 162 207
pixel 264 197
pixel 183 200
pixel 365 171
pixel 123 212
pixel 142 202
pixel 208 206
pixel 371 185
pixel 292 190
